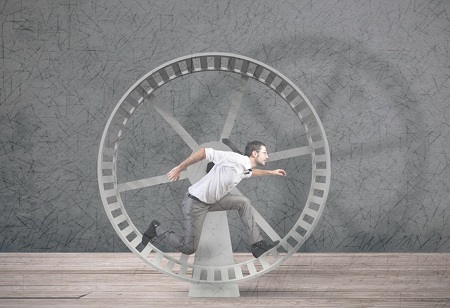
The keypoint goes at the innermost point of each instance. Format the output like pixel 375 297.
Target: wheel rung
pixel 189 65
pixel 311 212
pixel 114 138
pixel 316 199
pixel 183 260
pixel 146 251
pixel 152 82
pixel 238 272
pixel 196 274
pixel 320 186
pixel 252 269
pixel 306 119
pixel 258 71
pixel 320 158
pixel 140 91
pixel 108 151
pixel 287 246
pixel 304 225
pixel 132 101
pixel 135 242
pixel 265 264
pixel 320 172
pixel 231 63
pixel 244 67
pixel 292 96
pixel 107 165
pixel 318 144
pixel 176 69
pixel 164 76
pixel 210 274
pixel 270 78
pixel 313 131
pixel 224 274
pixel 157 260
pixel 204 63
pixel 170 265
pixel 183 269
pixel 119 219
pixel 296 236
pixel 300 107
pixel 116 125
pixel 123 112
pixel 110 193
pixel 281 86
pixel 108 179
pixel 275 253
pixel 113 206
pixel 127 230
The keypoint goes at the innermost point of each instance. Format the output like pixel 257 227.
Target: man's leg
pixel 244 207
pixel 194 213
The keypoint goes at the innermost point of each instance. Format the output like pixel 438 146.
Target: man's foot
pixel 150 234
pixel 259 248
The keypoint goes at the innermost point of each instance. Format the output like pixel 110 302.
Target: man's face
pixel 261 156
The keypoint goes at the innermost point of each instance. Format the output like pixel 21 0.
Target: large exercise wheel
pixel 145 91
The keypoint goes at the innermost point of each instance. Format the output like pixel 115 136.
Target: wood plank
pixel 311 279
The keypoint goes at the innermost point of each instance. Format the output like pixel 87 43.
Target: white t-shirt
pixel 229 169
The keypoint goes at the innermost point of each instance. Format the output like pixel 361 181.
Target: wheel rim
pixel 144 88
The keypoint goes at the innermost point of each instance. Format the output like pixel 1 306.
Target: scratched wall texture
pixel 377 73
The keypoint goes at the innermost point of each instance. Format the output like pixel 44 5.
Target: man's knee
pixel 188 251
pixel 245 203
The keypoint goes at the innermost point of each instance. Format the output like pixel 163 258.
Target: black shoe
pixel 259 248
pixel 150 234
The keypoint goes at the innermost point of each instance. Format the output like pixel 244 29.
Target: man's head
pixel 257 152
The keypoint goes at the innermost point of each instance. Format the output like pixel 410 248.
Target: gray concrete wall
pixel 377 73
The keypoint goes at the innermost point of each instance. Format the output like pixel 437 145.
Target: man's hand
pixel 174 174
pixel 280 172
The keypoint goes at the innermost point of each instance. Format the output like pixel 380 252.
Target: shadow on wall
pixel 381 197
pixel 380 190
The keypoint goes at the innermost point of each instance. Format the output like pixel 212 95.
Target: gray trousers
pixel 194 215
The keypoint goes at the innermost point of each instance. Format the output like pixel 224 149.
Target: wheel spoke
pixel 142 183
pixel 262 223
pixel 170 119
pixel 290 153
pixel 236 99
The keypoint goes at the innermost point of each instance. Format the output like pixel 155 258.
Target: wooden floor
pixel 304 280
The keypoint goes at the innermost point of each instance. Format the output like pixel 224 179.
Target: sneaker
pixel 150 234
pixel 259 248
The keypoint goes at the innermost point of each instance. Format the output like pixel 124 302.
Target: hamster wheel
pixel 146 88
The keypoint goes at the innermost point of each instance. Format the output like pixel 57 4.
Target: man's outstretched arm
pixel 260 172
pixel 195 157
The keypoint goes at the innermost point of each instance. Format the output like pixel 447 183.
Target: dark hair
pixel 253 146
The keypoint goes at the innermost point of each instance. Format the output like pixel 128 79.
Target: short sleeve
pixel 209 153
